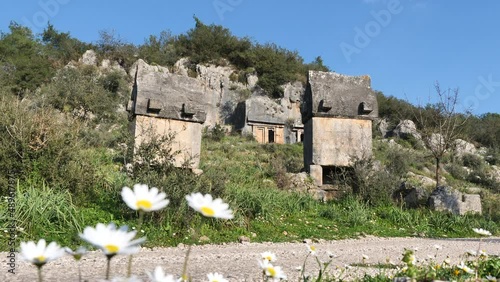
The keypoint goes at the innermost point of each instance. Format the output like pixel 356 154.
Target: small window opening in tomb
pixel 364 108
pixel 271 135
pixel 301 137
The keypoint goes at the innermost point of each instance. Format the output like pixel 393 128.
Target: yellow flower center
pixel 207 211
pixel 112 248
pixel 144 204
pixel 41 258
pixel 313 248
pixel 272 271
pixel 269 258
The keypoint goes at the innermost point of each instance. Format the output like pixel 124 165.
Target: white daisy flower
pixel 144 199
pixel 77 255
pixel 216 277
pixel 271 271
pixel 270 257
pixel 39 254
pixel 209 207
pixel 482 232
pixel 491 278
pixel 112 241
pixel 159 276
pixel 447 260
pixel 311 249
pixel 465 268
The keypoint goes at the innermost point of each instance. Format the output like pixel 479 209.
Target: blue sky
pixel 404 45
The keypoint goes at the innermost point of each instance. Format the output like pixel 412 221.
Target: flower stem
pixel 40 274
pixel 184 266
pixel 139 226
pixel 79 273
pixel 108 267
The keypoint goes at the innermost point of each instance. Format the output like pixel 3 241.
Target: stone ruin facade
pixel 338 111
pixel 162 104
pixel 272 120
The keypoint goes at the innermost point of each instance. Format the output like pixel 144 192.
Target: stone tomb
pixel 337 115
pixel 164 103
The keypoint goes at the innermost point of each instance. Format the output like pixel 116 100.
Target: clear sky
pixel 404 45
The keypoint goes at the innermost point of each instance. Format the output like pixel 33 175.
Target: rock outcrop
pixel 405 129
pixel 448 199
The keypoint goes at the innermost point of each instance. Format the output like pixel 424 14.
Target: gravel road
pixel 239 262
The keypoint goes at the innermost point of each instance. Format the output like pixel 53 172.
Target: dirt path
pixel 238 262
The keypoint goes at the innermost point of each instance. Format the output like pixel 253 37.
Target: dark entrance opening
pixel 271 136
pixel 340 177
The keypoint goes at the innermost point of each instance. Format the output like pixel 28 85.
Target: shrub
pixel 472 161
pixel 457 171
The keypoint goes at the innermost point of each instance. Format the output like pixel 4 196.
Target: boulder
pixel 383 127
pixel 406 128
pixel 89 58
pixel 412 196
pixel 448 199
pixel 252 80
pixel 421 180
pixel 180 67
pixel 462 147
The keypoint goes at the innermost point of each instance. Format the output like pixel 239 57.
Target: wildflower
pixel 447 260
pixel 271 271
pixel 270 257
pixel 311 249
pixel 39 254
pixel 159 276
pixel 465 268
pixel 216 277
pixel 209 207
pixel 77 255
pixel 112 241
pixel 491 278
pixel 482 232
pixel 409 258
pixel 144 199
pixel 483 254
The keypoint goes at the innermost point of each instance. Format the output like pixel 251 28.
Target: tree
pixel 23 64
pixel 440 124
pixel 61 47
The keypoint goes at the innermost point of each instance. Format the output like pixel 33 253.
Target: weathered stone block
pixel 187 137
pixel 337 95
pixel 316 173
pixel 450 200
pixel 337 141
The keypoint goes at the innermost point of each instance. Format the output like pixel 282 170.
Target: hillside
pixel 65 144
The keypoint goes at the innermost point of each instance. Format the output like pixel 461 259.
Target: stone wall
pixel 337 141
pixel 187 137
